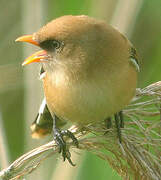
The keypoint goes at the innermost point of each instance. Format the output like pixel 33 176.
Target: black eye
pixel 50 45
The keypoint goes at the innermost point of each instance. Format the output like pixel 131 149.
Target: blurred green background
pixel 21 92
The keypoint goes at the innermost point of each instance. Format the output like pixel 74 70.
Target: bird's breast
pixel 83 101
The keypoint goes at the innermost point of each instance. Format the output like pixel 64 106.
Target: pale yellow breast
pixel 89 101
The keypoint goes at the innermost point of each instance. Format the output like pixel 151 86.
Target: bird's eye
pixel 56 44
pixel 50 45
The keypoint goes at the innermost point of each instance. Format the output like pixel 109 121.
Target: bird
pixel 89 73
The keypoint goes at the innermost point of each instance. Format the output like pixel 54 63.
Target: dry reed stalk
pixel 139 155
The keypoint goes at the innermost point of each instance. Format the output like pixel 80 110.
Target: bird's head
pixel 69 40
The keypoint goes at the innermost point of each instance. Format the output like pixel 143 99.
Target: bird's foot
pixel 58 137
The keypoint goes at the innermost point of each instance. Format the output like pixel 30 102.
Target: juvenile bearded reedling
pixel 89 72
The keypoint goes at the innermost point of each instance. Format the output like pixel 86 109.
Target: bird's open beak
pixel 40 56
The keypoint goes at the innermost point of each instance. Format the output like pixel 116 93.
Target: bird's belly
pixel 86 102
pixel 78 106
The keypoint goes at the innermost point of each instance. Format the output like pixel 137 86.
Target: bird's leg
pixel 58 137
pixel 117 123
pixel 121 119
pixel 108 122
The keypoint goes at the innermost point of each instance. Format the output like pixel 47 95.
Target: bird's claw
pixel 58 137
pixel 70 135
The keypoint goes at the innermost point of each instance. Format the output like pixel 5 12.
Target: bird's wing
pixel 134 58
pixel 43 122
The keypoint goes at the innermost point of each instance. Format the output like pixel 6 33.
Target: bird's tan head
pixel 66 38
pixel 73 41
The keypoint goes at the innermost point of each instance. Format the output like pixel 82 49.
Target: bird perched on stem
pixel 89 72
